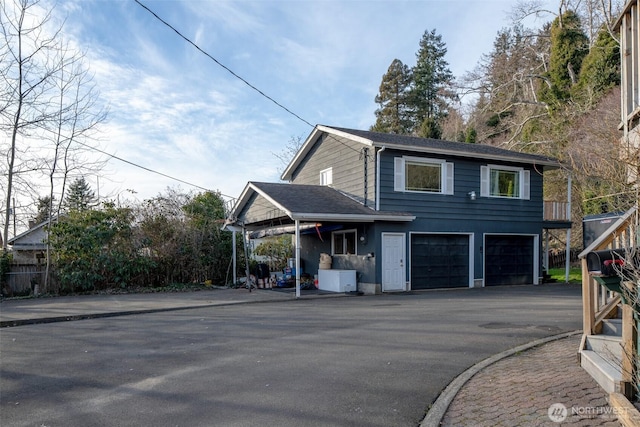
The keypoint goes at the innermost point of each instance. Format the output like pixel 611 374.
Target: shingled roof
pixel 422 145
pixel 314 203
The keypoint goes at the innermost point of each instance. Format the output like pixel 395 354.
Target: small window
pixel 504 181
pixel 420 176
pixel 416 174
pixel 344 242
pixel 326 176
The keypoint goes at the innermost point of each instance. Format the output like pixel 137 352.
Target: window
pixel 344 242
pixel 504 181
pixel 416 174
pixel 326 176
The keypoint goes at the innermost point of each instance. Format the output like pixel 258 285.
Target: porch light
pixel 472 195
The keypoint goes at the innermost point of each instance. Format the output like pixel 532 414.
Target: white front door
pixel 394 262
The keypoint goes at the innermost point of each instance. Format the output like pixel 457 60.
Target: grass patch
pixel 575 274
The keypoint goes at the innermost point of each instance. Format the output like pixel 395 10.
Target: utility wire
pixel 221 64
pixel 185 38
pixel 113 156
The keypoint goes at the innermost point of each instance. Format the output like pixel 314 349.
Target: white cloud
pixel 176 111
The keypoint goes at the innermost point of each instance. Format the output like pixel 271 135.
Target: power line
pixel 113 156
pixel 222 65
pixel 234 74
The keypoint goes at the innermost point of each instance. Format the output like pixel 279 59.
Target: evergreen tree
pixel 506 82
pixel 600 69
pixel 80 196
pixel 393 114
pixel 569 46
pixel 44 207
pixel 471 135
pixel 430 90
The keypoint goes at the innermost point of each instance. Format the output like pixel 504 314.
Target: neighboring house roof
pixel 313 203
pixel 413 143
pixel 32 239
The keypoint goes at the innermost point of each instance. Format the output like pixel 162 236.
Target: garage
pixel 439 261
pixel 509 260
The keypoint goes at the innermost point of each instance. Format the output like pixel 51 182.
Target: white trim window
pixel 504 182
pixel 344 242
pixel 423 175
pixel 326 176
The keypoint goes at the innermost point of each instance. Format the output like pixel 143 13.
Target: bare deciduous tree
pixel 48 106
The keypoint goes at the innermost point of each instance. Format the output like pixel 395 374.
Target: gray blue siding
pixel 346 158
pixel 457 212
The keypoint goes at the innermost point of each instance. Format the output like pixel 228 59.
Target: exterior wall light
pixel 472 195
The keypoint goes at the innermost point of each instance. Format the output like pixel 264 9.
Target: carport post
pixel 233 242
pixel 297 258
pixel 567 266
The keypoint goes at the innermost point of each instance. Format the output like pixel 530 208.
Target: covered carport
pixel 280 208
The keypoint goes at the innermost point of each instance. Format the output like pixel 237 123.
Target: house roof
pixel 312 203
pixel 30 232
pixel 422 145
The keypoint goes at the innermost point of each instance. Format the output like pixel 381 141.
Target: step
pixel 607 375
pixel 612 327
pixel 608 347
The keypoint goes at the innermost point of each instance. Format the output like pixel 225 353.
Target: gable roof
pixel 311 203
pixel 422 145
pixel 32 238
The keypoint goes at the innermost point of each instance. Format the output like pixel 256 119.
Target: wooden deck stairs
pixel 601 355
pixel 607 348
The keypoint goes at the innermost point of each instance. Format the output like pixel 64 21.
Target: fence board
pixel 21 276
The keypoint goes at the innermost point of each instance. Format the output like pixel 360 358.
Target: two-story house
pixel 408 213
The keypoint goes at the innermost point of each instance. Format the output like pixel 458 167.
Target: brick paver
pixel 521 389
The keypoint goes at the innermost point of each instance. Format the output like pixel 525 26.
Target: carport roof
pixel 309 203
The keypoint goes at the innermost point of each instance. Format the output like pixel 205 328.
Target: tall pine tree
pixel 430 91
pixel 80 196
pixel 393 116
pixel 569 46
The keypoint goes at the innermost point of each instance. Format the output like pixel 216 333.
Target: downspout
pixel 378 176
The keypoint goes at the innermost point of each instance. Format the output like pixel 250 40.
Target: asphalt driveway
pixel 353 361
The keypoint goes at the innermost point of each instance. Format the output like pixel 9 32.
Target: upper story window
pixel 344 242
pixel 504 181
pixel 423 175
pixel 326 176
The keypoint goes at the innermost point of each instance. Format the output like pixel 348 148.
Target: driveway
pixel 352 361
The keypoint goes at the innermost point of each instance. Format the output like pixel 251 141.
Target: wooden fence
pixel 558 259
pixel 22 276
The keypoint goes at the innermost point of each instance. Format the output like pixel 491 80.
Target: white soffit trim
pixel 304 149
pixel 350 217
pixel 472 155
pixel 346 135
pixel 312 139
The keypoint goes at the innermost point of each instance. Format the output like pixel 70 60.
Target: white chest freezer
pixel 337 280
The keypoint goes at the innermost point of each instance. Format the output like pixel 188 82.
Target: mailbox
pixel 606 263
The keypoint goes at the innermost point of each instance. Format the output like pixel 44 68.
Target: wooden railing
pixel 598 303
pixel 556 211
pixel 596 298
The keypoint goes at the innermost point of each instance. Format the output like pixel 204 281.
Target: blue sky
pixel 174 110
